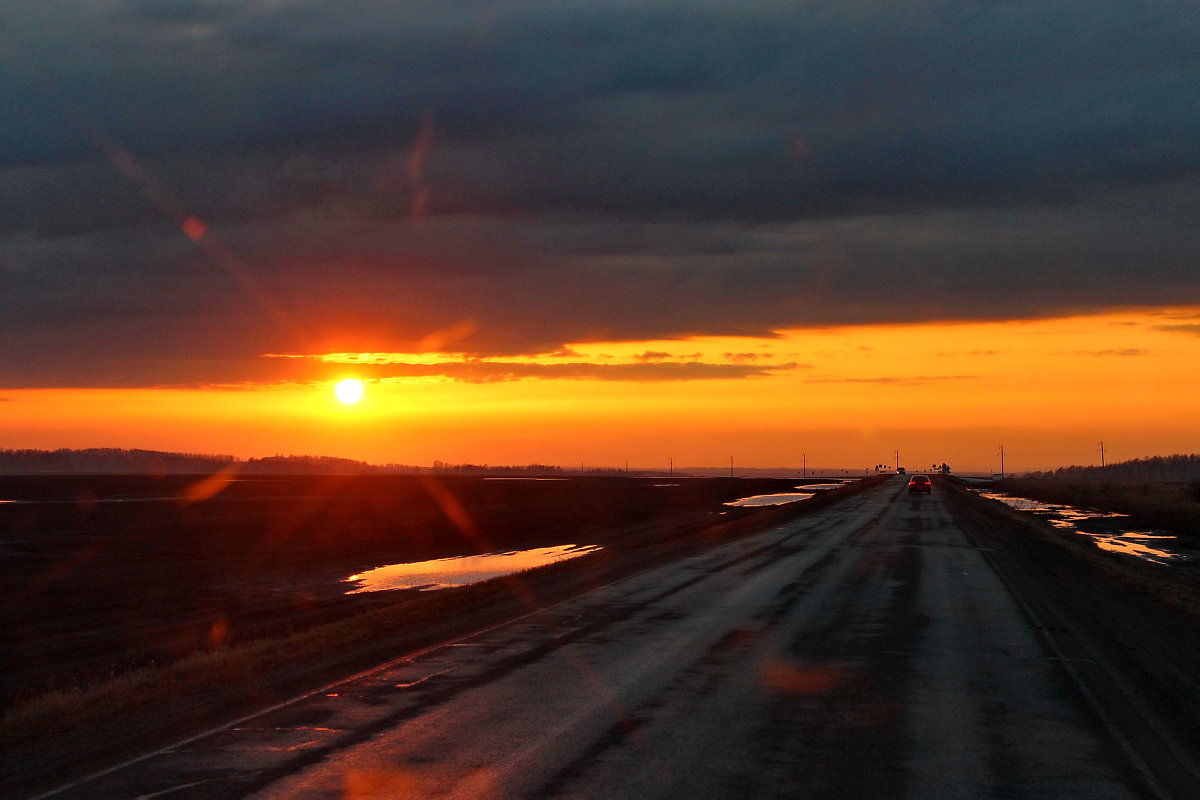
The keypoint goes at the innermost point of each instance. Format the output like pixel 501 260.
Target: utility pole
pixel 731 466
pixel 1001 461
pixel 1102 454
pixel 897 461
pixel 627 468
pixel 671 467
pixel 804 463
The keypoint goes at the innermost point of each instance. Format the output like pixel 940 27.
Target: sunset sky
pixel 595 232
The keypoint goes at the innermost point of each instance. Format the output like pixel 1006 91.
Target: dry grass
pixel 1171 505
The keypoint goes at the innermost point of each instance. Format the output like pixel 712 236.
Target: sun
pixel 349 391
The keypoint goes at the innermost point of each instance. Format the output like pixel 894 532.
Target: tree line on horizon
pixel 1155 468
pixel 114 460
pixel 156 462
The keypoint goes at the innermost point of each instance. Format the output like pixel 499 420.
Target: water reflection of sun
pixel 349 391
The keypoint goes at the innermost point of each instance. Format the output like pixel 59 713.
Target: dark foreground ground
pixel 104 573
pixel 876 646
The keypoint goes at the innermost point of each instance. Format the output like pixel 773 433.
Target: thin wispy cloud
pixel 497 372
pixel 744 358
pixel 1125 352
pixel 651 356
pixel 904 380
pixel 970 353
pixel 1193 329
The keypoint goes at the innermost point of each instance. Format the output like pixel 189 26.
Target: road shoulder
pixel 1133 658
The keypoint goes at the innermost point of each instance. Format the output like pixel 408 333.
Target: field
pixel 1174 505
pixel 104 574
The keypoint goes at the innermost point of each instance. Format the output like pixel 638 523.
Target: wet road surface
pixel 870 650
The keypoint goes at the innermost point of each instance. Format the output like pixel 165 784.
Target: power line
pixel 1047 455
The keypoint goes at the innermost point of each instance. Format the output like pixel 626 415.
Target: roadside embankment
pixel 1178 589
pixel 1126 632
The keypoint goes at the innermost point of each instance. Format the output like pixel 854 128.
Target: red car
pixel 920 483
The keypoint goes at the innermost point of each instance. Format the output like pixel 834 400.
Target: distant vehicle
pixel 901 470
pixel 920 483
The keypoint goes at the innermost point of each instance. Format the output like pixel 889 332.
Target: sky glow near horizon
pixel 1049 390
pixel 603 232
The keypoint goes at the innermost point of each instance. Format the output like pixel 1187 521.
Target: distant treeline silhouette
pixel 1156 468
pixel 118 461
pixel 480 469
pixel 306 465
pixel 528 469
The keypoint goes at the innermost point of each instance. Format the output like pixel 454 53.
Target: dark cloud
pixel 495 372
pixel 534 174
pixel 166 373
pixel 105 372
pixel 797 107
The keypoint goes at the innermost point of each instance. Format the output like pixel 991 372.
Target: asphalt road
pixel 871 650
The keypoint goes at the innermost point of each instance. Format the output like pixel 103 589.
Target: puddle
pixel 443 573
pixel 820 487
pixel 1105 528
pixel 770 499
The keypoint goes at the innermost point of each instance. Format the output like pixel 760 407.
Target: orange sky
pixel 848 397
